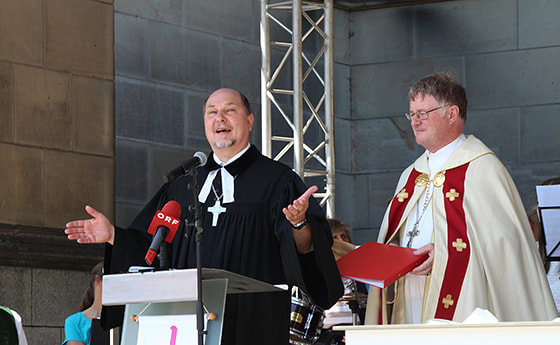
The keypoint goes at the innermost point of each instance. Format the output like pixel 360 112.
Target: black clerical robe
pixel 252 238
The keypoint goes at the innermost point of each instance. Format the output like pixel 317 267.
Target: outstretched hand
pixel 95 230
pixel 295 213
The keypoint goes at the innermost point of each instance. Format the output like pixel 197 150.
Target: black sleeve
pixel 130 246
pixel 315 272
pixel 320 272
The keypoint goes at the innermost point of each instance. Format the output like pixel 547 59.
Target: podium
pixel 511 333
pixel 174 292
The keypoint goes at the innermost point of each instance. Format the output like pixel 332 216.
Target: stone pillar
pixel 56 137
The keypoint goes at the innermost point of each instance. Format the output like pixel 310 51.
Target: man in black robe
pixel 271 230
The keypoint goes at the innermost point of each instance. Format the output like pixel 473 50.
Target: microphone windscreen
pixel 202 156
pixel 172 208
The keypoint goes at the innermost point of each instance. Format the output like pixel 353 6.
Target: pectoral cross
pixel 216 210
pixel 413 233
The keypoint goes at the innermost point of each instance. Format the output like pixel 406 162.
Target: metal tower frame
pixel 307 129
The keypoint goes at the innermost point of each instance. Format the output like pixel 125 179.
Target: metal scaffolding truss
pixel 297 90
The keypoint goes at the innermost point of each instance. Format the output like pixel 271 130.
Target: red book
pixel 378 264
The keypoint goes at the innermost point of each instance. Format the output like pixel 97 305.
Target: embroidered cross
pixel 402 195
pixel 452 194
pixel 459 245
pixel 447 301
pixel 216 210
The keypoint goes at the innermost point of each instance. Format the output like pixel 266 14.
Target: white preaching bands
pixel 227 187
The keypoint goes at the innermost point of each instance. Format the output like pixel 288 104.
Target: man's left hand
pixel 295 213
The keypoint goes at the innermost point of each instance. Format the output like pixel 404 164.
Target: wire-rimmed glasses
pixel 422 114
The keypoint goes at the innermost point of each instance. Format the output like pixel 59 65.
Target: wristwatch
pixel 300 225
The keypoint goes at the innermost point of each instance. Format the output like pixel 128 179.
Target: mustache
pixel 222 126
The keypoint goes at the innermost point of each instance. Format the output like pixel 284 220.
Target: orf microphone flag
pixel 163 227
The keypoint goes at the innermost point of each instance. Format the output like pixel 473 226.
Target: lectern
pixel 510 333
pixel 174 292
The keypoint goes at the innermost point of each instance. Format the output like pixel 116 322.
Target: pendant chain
pixel 415 232
pixel 216 194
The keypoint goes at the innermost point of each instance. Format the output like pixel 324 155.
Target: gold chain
pixel 424 180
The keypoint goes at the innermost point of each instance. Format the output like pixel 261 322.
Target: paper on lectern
pixel 167 329
pixel 548 198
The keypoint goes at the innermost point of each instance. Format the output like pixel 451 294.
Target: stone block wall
pixel 506 54
pixel 168 57
pixel 56 151
pixel 98 100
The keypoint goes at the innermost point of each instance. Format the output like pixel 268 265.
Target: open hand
pixel 95 230
pixel 295 213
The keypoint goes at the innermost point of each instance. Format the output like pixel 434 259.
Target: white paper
pixel 478 316
pixel 548 196
pixel 167 329
pixel 551 227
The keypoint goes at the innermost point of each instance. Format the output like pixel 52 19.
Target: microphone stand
pixel 199 230
pixel 355 303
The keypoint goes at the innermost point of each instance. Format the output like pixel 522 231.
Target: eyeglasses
pixel 423 114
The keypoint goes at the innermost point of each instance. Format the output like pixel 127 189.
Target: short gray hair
pixel 444 89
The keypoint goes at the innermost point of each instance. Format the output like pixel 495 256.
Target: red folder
pixel 378 264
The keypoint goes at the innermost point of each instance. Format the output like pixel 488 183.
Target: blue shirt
pixel 77 327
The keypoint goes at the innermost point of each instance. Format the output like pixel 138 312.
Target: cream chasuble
pixel 419 229
pixel 486 259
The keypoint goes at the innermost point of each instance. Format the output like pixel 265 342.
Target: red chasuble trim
pixel 399 203
pixel 457 242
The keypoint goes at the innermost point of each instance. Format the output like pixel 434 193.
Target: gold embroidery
pixel 447 301
pixel 402 195
pixel 424 179
pixel 439 179
pixel 452 194
pixel 459 245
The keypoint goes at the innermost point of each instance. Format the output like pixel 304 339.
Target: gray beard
pixel 225 144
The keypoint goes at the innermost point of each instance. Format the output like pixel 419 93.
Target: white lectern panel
pixel 510 333
pixel 172 286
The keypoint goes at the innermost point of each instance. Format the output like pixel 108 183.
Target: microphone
pixel 164 226
pixel 199 158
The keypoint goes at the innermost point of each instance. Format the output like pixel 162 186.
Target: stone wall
pixel 168 57
pixel 56 151
pixel 99 100
pixel 505 52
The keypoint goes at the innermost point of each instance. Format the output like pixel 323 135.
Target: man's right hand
pixel 95 230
